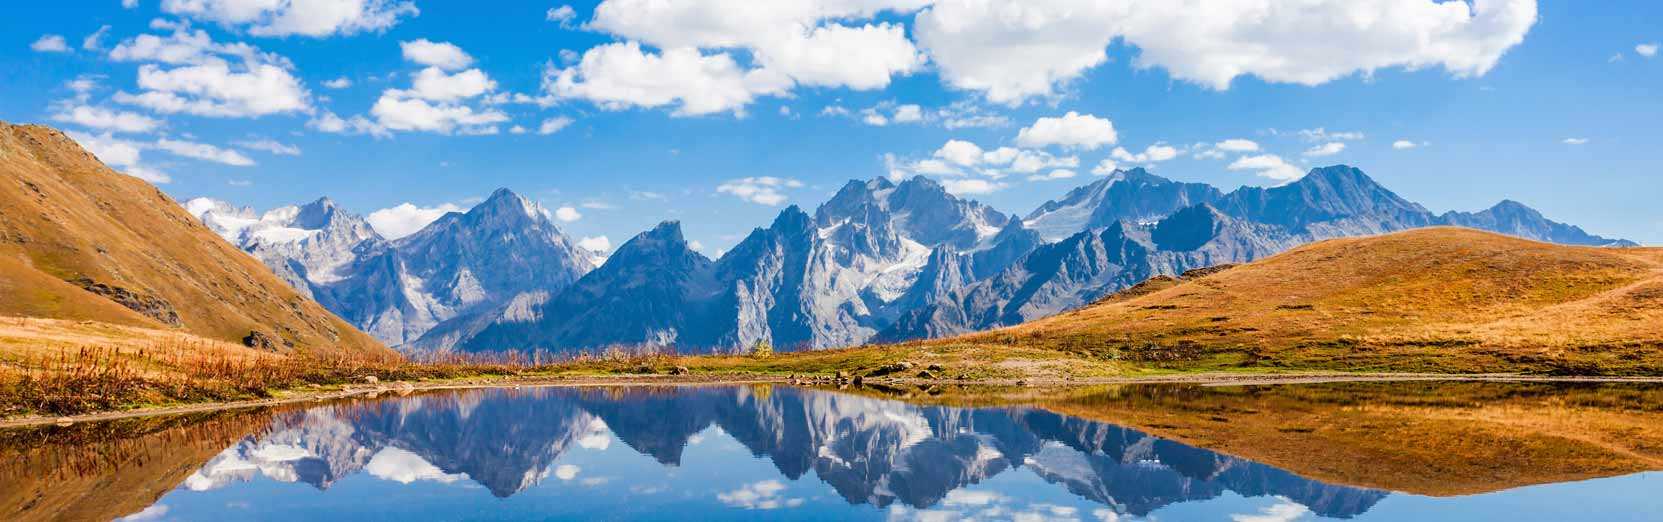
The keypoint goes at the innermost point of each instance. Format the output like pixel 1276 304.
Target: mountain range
pixel 880 261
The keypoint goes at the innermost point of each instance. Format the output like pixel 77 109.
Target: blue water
pixel 741 453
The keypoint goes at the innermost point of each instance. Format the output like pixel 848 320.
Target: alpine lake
pixel 1421 450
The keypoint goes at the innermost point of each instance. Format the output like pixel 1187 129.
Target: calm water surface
pixel 705 453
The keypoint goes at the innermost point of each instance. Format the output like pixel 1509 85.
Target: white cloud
pixel 404 467
pixel 1029 161
pixel 553 125
pixel 1327 149
pixel 1014 51
pixel 1575 141
pixel 405 218
pixel 621 75
pixel 567 214
pixel 963 187
pixel 1268 166
pixel 1404 144
pixel 1152 154
pixel 106 119
pixel 315 18
pixel 759 495
pixel 1237 145
pixel 50 43
pixel 1282 511
pixel 393 111
pixel 1105 167
pixel 1053 175
pixel 1647 50
pixel 331 123
pixel 595 244
pixel 960 152
pixel 204 152
pixel 95 40
pixel 214 90
pixel 272 146
pixel 1073 130
pixel 790 42
pixel 129 4
pixel 338 83
pixel 762 190
pixel 433 84
pixel 908 114
pixel 121 155
pixel 563 15
pixel 444 55
pixel 566 471
pixel 871 117
pixel 1321 134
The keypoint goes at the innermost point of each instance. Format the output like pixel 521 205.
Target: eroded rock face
pixel 261 341
pixel 147 305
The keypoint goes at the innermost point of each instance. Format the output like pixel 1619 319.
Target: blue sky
pixel 718 114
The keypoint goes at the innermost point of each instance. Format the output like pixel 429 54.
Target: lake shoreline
pixel 405 387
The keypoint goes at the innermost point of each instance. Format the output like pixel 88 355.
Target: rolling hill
pixel 80 241
pixel 1436 299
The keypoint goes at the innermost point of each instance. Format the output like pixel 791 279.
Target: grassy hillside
pixel 1436 300
pixel 80 241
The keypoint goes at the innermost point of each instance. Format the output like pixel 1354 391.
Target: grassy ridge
pixel 1440 300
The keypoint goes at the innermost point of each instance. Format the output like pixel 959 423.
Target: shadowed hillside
pixel 80 241
pixel 1438 299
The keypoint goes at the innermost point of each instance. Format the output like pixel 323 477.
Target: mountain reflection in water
pixel 712 452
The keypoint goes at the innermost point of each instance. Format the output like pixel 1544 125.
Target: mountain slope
pixel 1432 299
pixel 76 237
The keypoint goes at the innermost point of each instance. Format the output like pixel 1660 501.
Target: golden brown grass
pixel 68 217
pixel 1431 300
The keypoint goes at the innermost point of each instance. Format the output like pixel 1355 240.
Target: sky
pixel 719 113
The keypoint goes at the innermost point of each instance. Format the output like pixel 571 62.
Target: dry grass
pixel 65 367
pixel 1431 300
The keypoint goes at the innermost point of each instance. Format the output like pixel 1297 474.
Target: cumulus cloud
pixel 404 467
pixel 216 90
pixel 1073 130
pixel 121 155
pixel 553 125
pixel 1327 149
pixel 314 18
pixel 338 83
pixel 620 76
pixel 105 119
pixel 759 495
pixel 1405 144
pixel 50 43
pixel 406 218
pixel 1152 154
pixel 563 15
pixel 791 42
pixel 434 84
pixel 1010 52
pixel 1575 141
pixel 595 244
pixel 211 79
pixel 1268 166
pixel 444 55
pixel 204 152
pixel 1282 511
pixel 1237 145
pixel 762 190
pixel 1647 50
pixel 1106 167
pixel 567 214
pixel 435 102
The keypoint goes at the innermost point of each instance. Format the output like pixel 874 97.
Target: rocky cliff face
pixel 461 266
